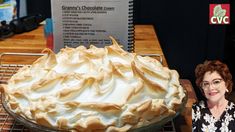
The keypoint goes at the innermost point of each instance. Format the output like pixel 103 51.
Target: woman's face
pixel 213 86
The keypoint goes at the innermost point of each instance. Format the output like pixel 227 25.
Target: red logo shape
pixel 219 14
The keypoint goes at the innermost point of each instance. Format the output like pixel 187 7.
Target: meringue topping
pixel 105 89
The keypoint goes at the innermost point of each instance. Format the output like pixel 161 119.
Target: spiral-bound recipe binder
pixel 91 22
pixel 131 28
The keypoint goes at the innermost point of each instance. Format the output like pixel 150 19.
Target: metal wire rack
pixel 8 124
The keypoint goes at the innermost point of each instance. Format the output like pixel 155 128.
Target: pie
pixel 94 89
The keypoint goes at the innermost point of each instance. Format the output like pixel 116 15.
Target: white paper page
pixel 85 22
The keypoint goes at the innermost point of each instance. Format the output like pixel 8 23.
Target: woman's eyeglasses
pixel 215 84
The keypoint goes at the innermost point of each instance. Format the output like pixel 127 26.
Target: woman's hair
pixel 212 66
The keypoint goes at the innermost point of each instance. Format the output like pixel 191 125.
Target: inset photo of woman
pixel 215 113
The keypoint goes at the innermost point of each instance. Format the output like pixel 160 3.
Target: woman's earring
pixel 226 90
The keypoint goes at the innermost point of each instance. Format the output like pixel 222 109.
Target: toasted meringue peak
pixel 105 89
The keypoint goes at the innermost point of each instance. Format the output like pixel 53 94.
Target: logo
pixel 219 14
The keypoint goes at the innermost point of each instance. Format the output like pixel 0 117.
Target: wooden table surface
pixel 146 42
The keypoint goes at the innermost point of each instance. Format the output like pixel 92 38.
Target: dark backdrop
pixel 182 28
pixel 184 33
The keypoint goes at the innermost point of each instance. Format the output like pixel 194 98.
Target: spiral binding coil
pixel 131 28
